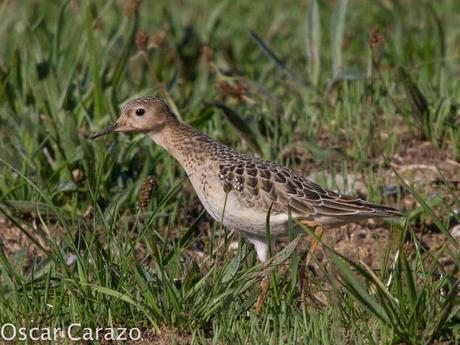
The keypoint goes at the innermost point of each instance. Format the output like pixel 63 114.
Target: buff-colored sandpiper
pixel 247 185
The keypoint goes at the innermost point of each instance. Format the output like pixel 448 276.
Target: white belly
pixel 225 208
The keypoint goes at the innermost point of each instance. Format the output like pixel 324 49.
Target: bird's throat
pixel 183 142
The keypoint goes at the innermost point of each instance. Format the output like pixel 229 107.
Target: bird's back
pixel 262 185
pixel 248 187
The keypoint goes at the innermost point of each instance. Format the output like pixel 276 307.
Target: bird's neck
pixel 186 144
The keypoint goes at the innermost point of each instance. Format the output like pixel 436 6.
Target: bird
pixel 238 189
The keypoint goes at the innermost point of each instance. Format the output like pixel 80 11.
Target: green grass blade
pixel 313 41
pixel 338 32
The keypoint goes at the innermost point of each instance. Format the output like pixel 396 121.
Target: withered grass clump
pixel 131 7
pixel 141 40
pixel 145 193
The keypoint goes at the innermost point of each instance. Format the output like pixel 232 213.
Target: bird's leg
pixel 319 230
pixel 261 248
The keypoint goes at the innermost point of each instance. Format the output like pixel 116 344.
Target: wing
pixel 260 184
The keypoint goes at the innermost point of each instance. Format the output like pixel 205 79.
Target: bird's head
pixel 143 115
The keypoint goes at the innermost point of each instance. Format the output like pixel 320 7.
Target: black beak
pixel 105 131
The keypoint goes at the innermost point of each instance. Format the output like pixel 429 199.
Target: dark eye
pixel 140 111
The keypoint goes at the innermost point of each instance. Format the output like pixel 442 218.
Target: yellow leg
pixel 264 286
pixel 319 230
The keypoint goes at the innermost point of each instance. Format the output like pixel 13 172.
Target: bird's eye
pixel 140 111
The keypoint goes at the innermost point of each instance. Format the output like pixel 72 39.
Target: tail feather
pixel 334 217
pixel 381 210
pixel 344 206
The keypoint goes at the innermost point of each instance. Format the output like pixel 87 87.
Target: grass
pixel 315 77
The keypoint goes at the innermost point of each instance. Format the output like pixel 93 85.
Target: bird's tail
pixel 381 210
